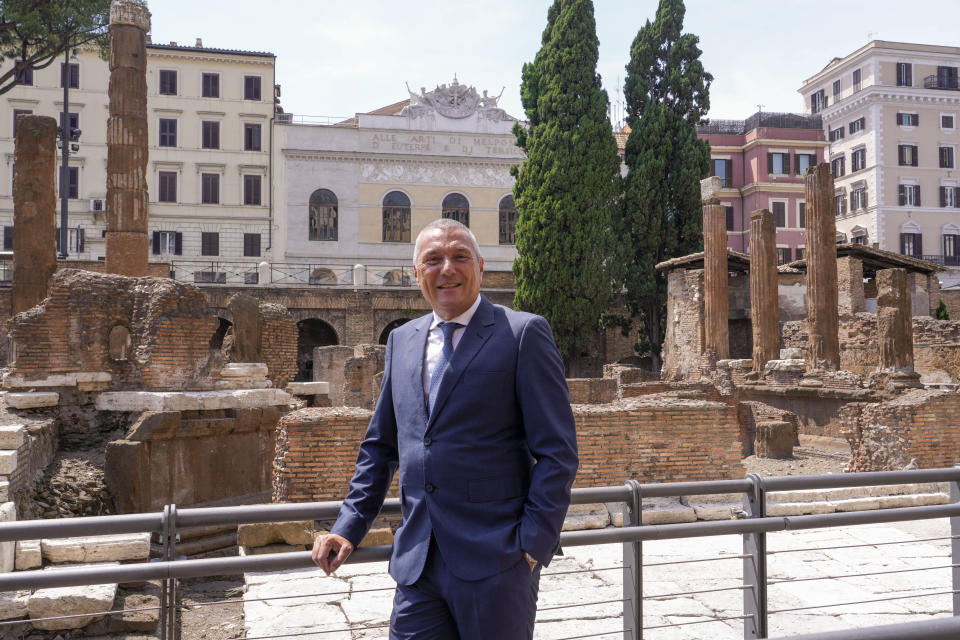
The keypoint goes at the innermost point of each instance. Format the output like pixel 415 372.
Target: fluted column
pixel 821 254
pixel 764 291
pixel 716 273
pixel 894 321
pixel 127 152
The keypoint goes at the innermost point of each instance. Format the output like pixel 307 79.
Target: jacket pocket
pixel 487 489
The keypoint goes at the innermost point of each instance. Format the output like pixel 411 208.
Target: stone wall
pixel 191 457
pixel 168 327
pixel 683 343
pixel 36 451
pixel 278 343
pixel 917 426
pixel 592 390
pixel 936 345
pixel 351 372
pixel 652 439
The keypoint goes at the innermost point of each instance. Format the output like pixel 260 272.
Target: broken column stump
pixel 127 152
pixel 34 207
pixel 821 254
pixel 774 440
pixel 716 273
pixel 764 292
pixel 895 328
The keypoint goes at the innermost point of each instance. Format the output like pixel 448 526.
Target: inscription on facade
pixel 460 145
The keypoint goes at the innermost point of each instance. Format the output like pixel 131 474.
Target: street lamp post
pixel 68 136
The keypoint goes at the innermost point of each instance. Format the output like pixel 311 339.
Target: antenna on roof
pixel 870 35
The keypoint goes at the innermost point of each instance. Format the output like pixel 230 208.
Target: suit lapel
pixel 414 349
pixel 474 336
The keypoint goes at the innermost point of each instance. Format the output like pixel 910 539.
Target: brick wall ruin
pixel 166 324
pixel 278 343
pixel 918 425
pixel 351 372
pixel 652 439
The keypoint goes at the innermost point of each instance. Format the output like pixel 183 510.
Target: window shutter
pixel 902 194
pixel 156 243
pixel 900 155
pixel 916 119
pixel 769 163
pixel 909 74
pixel 786 163
pixel 918 244
pixel 914 158
pixel 853 205
pixel 80 240
pixel 863 199
pixel 796 163
pixel 956 202
pixel 899 118
pixel 943 196
pixel 178 244
pixel 903 243
pixel 850 126
pixel 8 238
pixel 916 193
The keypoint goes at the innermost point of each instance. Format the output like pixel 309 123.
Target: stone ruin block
pixel 148 333
pixel 750 414
pixel 262 332
pixel 592 390
pixel 774 440
pixel 351 372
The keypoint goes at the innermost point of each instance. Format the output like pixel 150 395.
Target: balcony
pixel 946 83
pixel 947 261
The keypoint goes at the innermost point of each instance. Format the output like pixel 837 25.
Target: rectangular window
pixel 778 163
pixel 779 214
pixel 949 196
pixel 209 243
pixel 857 125
pixel 168 186
pixel 947 78
pixel 73 182
pixel 210 188
pixel 16 116
pixel 251 245
pixel 858 160
pixel 836 91
pixel 251 190
pixel 798 253
pixel 951 249
pixel 857 85
pixel 837 167
pixel 729 211
pixel 723 169
pixel 818 102
pixel 907 155
pixel 908 119
pixel 858 199
pixel 251 137
pixel 909 195
pixel 75 240
pixel 804 161
pixel 72 74
pixel 24 75
pixel 911 244
pixel 783 255
pixel 946 157
pixel 210 85
pixel 904 74
pixel 840 204
pixel 211 135
pixel 251 87
pixel 8 238
pixel 168 132
pixel 802 215
pixel 946 122
pixel 168 82
pixel 167 242
pixel 836 134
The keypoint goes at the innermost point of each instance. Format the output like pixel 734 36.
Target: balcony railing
pixel 761 119
pixel 937 82
pixel 947 261
pixel 292 274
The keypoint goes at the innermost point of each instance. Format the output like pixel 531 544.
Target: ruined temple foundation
pixel 821 256
pixel 34 204
pixel 127 153
pixel 764 292
pixel 716 305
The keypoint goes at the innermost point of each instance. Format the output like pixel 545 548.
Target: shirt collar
pixel 464 318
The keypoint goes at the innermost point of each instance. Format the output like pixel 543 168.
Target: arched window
pixel 456 207
pixel 396 217
pixel 508 221
pixel 323 215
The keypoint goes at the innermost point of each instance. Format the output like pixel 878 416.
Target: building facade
pixel 210 115
pixel 761 162
pixel 890 112
pixel 359 191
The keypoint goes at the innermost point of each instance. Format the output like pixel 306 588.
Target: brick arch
pixel 390 326
pixel 311 333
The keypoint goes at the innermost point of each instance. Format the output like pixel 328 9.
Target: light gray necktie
pixel 447 328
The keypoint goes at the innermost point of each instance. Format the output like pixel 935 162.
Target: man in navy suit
pixel 474 414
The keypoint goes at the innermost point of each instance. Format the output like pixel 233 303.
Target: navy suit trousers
pixel 440 606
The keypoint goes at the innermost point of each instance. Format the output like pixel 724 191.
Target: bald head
pixel 446 224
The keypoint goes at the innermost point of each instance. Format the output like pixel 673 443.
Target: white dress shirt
pixel 435 341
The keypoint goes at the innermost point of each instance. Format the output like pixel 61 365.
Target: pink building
pixel 761 161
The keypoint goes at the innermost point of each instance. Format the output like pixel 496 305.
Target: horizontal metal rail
pixel 937 629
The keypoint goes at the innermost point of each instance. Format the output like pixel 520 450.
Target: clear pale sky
pixel 338 57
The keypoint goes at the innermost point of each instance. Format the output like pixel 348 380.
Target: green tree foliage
pixel 942 313
pixel 667 94
pixel 37 32
pixel 567 189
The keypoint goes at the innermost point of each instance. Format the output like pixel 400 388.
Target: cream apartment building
pixel 890 111
pixel 210 114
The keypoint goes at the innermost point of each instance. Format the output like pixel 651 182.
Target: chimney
pixel 172 43
pixel 199 43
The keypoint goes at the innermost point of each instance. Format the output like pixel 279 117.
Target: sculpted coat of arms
pixel 453 101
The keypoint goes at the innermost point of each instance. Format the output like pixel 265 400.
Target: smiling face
pixel 448 271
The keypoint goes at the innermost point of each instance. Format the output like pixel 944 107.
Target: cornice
pixel 365 156
pixel 789 187
pixel 208 57
pixel 885 95
pixel 784 142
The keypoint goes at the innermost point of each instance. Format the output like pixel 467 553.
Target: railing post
pixel 633 569
pixel 169 612
pixel 755 565
pixel 955 545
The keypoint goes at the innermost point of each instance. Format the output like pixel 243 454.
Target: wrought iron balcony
pixel 940 82
pixel 947 261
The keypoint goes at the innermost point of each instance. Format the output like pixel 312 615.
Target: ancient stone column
pixel 851 298
pixel 821 255
pixel 34 210
pixel 764 292
pixel 127 240
pixel 894 321
pixel 716 273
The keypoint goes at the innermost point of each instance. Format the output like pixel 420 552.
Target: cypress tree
pixel 667 94
pixel 567 189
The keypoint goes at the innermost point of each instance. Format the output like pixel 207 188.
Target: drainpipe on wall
pixel 273 116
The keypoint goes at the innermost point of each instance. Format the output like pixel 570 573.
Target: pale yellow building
pixel 210 115
pixel 890 111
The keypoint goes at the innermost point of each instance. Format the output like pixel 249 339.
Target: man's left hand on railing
pixel 330 551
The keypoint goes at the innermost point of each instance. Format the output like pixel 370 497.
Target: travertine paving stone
pixel 66 601
pixel 27 555
pixel 32 400
pixel 12 436
pixel 127 546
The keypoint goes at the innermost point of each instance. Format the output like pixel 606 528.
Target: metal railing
pixel 945 83
pixel 293 274
pixel 760 119
pixel 754 525
pixel 325 121
pixel 948 261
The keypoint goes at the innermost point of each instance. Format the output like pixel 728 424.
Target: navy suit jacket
pixel 489 470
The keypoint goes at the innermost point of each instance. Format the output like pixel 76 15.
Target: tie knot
pixel 448 328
